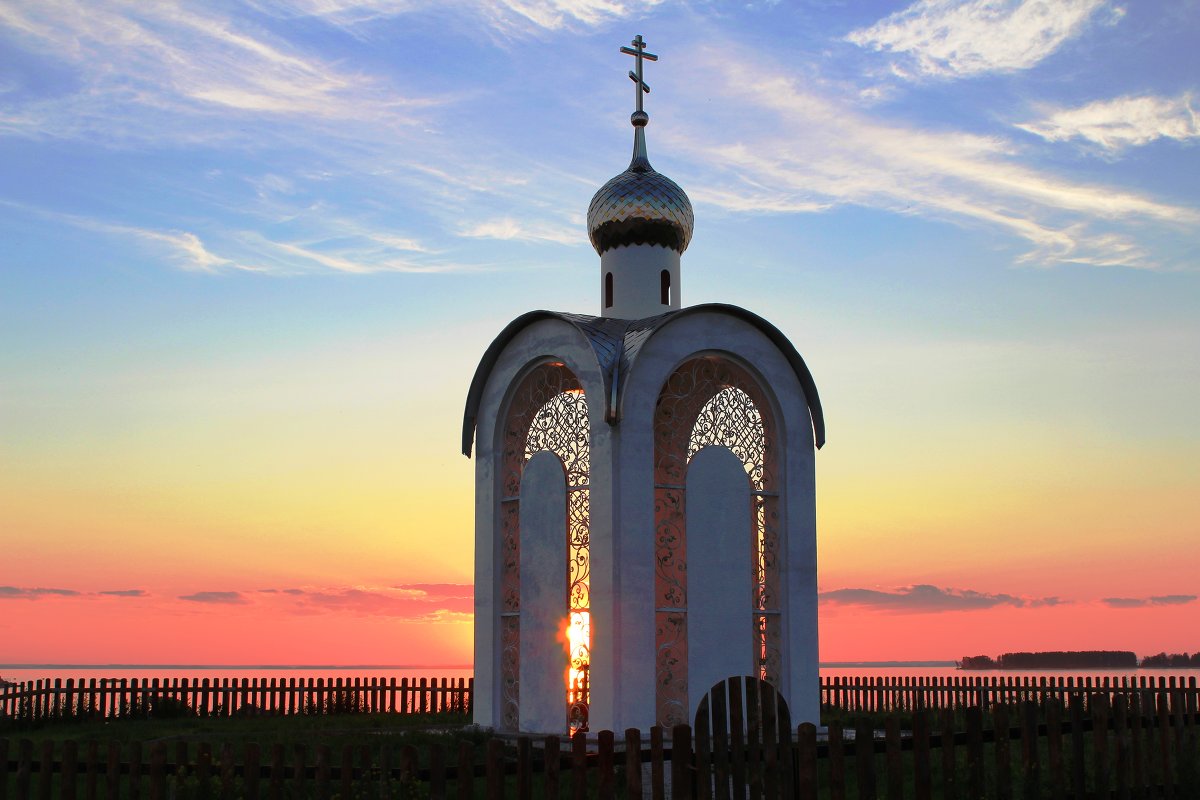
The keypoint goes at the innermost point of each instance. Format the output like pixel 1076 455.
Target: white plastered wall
pixel 545 340
pixel 633 703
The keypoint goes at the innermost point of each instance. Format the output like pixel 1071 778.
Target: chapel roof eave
pixel 616 344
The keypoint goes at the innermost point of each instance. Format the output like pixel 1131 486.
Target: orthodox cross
pixel 638 51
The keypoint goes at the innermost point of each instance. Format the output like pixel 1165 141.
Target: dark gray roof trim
pixel 616 344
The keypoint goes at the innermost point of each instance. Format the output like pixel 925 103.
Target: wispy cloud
pixel 1142 602
pixel 20 593
pixel 125 593
pixel 509 229
pixel 510 16
pixel 183 248
pixel 834 154
pixel 421 602
pixel 957 38
pixel 1123 122
pixel 924 598
pixel 184 70
pixel 218 598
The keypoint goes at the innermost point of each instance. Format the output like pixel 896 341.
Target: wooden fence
pixel 222 697
pixel 885 694
pixel 1124 751
pixel 107 697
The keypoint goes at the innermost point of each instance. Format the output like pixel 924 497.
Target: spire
pixel 639 118
pixel 640 206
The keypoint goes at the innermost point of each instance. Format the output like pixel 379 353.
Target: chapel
pixel 645 499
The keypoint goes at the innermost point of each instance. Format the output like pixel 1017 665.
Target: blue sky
pixel 251 252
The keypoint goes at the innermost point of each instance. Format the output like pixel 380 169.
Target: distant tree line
pixel 1173 660
pixel 1057 659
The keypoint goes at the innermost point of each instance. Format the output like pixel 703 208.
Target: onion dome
pixel 640 206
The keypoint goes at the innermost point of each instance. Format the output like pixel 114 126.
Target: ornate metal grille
pixel 548 411
pixel 710 401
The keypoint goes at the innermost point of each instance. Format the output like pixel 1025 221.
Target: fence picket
pixel 864 759
pixel 579 766
pixel 892 758
pixel 1000 749
pixel 524 768
pixel 437 771
pixel 949 757
pixel 837 763
pixel 633 764
pixel 464 776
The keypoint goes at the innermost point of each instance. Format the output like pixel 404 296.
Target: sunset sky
pixel 250 254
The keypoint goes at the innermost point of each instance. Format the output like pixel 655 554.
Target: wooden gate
pixel 743 741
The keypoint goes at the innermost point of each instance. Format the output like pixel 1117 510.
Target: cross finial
pixel 638 51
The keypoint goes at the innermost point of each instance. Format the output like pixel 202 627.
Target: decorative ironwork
pixel 548 411
pixel 711 401
pixel 510 670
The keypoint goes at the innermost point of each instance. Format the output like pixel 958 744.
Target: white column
pixel 719 572
pixel 544 653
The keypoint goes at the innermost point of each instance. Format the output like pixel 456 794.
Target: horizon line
pixel 929 663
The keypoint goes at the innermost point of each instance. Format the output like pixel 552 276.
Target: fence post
pixel 112 772
pixel 551 763
pixel 408 772
pixel 45 771
pixel 1054 751
pixel 704 771
pixel 24 768
pixel 681 762
pixel 1000 732
pixel 275 785
pixel 754 764
pixel 495 769
pixel 1121 728
pixel 91 770
pixel 837 763
pixel 437 771
pixel 772 779
pixel 864 758
pixel 135 770
pixel 606 785
pixel 1100 748
pixel 657 788
pixel 922 779
pixel 252 771
pixel 579 766
pixel 806 760
pixel 949 757
pixel 895 767
pixel 227 770
pixel 524 769
pixel 70 766
pixel 324 757
pixel 1030 760
pixel 158 772
pixel 1182 760
pixel 633 764
pixel 975 752
pixel 464 776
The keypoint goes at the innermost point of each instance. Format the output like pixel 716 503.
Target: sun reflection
pixel 579 639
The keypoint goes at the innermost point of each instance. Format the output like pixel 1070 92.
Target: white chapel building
pixel 645 518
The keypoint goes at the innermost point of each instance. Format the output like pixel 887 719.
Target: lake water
pixel 28 672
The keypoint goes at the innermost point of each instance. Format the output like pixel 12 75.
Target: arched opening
pixel 664 287
pixel 711 401
pixel 548 412
pixel 608 290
